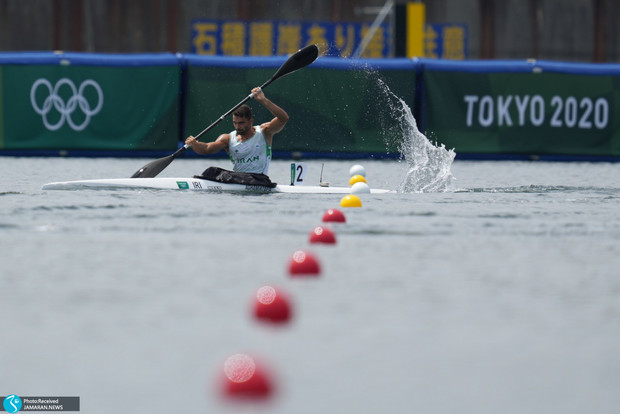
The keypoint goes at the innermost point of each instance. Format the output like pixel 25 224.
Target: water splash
pixel 428 166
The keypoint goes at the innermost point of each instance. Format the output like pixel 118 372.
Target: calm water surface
pixel 501 295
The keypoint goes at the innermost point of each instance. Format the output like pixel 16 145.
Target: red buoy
pixel 272 305
pixel 333 215
pixel 304 263
pixel 322 235
pixel 244 377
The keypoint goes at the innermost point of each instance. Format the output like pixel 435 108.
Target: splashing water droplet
pixel 428 166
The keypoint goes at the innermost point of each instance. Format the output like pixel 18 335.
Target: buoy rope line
pixel 243 375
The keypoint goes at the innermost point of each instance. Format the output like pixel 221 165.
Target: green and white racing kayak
pixel 196 184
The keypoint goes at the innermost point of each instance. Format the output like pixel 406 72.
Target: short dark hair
pixel 244 111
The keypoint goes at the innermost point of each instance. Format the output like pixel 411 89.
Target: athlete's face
pixel 242 125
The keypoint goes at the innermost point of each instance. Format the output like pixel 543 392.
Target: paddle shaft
pixel 233 109
pixel 300 59
pixel 220 119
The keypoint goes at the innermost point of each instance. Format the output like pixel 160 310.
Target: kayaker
pixel 248 146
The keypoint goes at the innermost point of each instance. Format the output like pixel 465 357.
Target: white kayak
pixel 196 184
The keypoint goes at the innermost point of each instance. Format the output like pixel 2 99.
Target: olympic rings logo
pixel 66 109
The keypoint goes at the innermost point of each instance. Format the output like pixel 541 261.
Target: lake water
pixel 498 293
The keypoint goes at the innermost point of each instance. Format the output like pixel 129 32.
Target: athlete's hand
pixel 257 93
pixel 190 141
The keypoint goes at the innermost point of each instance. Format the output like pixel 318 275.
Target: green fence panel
pixel 99 104
pixel 523 110
pixel 127 103
pixel 333 105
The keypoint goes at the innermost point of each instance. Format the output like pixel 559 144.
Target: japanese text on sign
pixel 446 41
pixel 274 38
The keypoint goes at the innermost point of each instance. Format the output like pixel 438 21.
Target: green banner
pixel 97 102
pixel 89 107
pixel 523 113
pixel 331 110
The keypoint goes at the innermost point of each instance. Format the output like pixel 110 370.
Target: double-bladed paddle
pixel 298 60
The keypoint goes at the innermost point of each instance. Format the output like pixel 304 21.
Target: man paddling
pixel 248 146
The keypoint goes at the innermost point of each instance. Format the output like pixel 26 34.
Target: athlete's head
pixel 244 111
pixel 243 119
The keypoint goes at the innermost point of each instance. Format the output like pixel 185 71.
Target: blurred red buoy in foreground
pixel 272 305
pixel 244 377
pixel 322 235
pixel 304 263
pixel 333 215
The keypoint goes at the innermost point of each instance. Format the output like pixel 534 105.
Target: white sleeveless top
pixel 252 156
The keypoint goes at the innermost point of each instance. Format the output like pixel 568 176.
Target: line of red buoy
pixel 243 376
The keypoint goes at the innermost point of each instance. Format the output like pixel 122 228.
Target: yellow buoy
pixel 350 201
pixel 357 179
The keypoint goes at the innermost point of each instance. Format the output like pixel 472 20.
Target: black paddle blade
pixel 300 59
pixel 153 168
